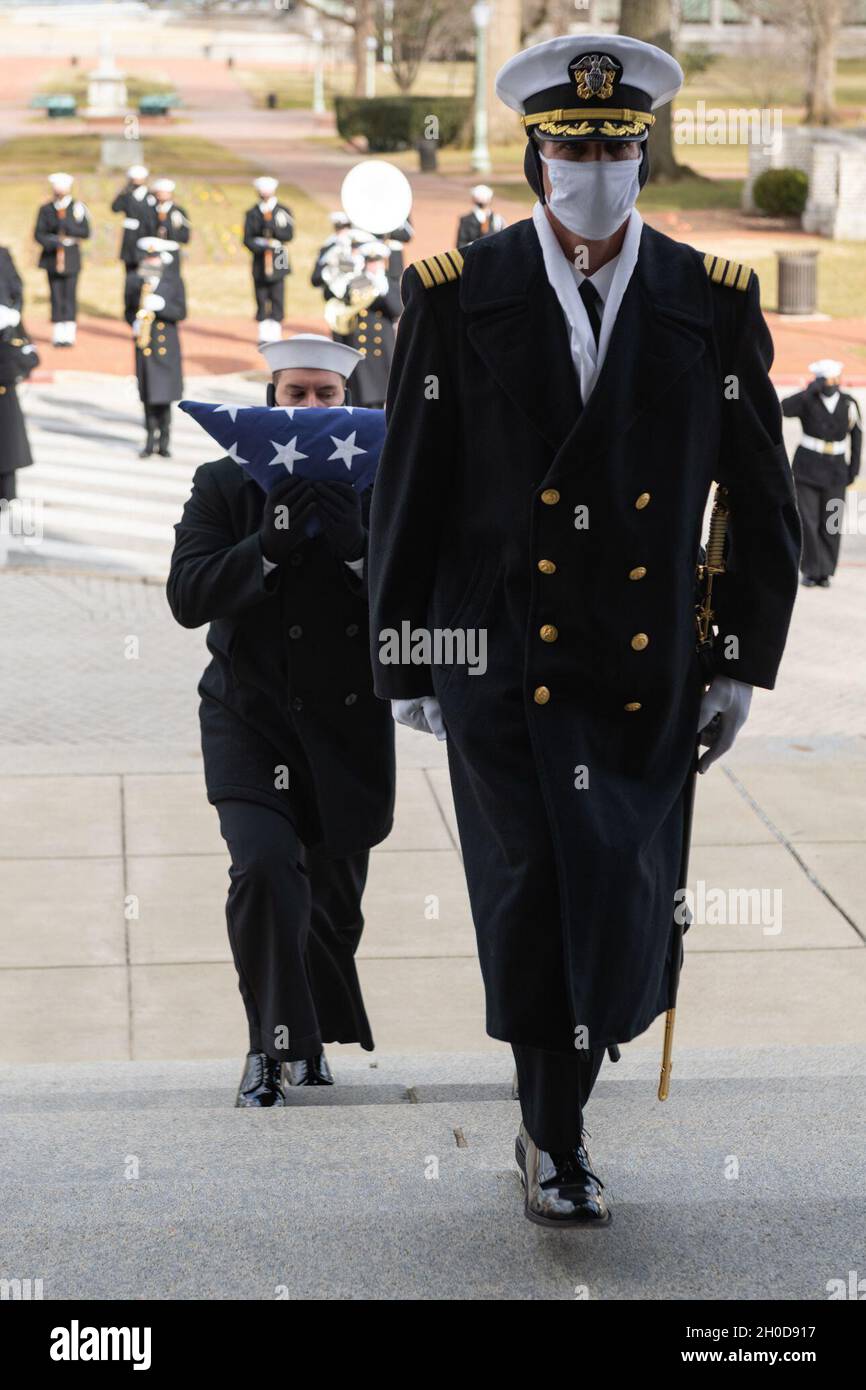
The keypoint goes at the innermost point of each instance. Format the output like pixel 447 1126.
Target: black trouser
pixel 63 291
pixel 269 299
pixel 294 920
pixel 554 1087
pixel 822 512
pixel 157 420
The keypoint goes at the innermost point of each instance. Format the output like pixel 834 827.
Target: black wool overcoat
pixel 569 536
pixel 289 683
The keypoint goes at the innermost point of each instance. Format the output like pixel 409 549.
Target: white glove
pixel 422 713
pixel 730 700
pixel 153 303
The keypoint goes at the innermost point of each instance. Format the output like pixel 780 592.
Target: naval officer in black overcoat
pixel 376 291
pixel 826 463
pixel 61 225
pixel 562 396
pixel 136 202
pixel 298 751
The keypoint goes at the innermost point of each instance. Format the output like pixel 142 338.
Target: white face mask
pixel 593 197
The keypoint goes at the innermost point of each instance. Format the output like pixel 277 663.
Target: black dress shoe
pixel 261 1084
pixel 823 583
pixel 808 582
pixel 561 1188
pixel 310 1071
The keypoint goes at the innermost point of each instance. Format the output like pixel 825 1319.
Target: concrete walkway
pixel 139 1181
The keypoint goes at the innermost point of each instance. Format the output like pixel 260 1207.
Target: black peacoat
pixel 52 228
pixel 373 337
pixel 17 360
pixel 281 227
pixel 289 683
pixel 568 536
pixel 159 363
pixel 136 204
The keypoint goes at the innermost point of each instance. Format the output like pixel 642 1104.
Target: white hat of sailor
pixel 826 367
pixel 137 172
pixel 62 182
pixel 589 87
pixel 266 185
pixel 374 250
pixel 482 193
pixel 313 351
pixel 163 185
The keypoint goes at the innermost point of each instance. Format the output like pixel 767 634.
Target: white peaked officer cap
pixel 481 193
pixel 62 182
pixel 374 251
pixel 163 185
pixel 339 219
pixel 154 245
pixel 137 171
pixel 826 367
pixel 589 87
pixel 265 185
pixel 311 350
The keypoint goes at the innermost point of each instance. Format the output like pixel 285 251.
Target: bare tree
pixel 817 24
pixel 360 18
pixel 414 25
pixel 652 21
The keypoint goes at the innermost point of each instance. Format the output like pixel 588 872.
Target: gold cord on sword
pixel 714 563
pixel 144 316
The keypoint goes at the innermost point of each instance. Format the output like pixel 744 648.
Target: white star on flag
pixel 345 449
pixel 232 452
pixel 231 410
pixel 286 454
pixel 289 409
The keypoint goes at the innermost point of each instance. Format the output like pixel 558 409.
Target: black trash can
pixel 427 161
pixel 798 282
pixel 271 101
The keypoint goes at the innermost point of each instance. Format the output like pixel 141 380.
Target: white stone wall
pixel 834 162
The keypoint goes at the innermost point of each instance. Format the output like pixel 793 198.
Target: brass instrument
pixel 341 314
pixel 714 563
pixel 144 317
pixel 60 254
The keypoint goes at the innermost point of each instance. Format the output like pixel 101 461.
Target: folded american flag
pixel 338 444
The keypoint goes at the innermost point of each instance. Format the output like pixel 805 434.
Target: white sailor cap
pixel 137 171
pixel 339 219
pixel 311 350
pixel 62 182
pixel 155 245
pixel 374 250
pixel 589 87
pixel 826 367
pixel 163 185
pixel 482 193
pixel 265 185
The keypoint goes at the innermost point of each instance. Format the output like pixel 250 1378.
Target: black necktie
pixel 591 303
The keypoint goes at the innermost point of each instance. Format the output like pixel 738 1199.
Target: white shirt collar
pixel 830 401
pixel 268 204
pixel 63 202
pixel 611 281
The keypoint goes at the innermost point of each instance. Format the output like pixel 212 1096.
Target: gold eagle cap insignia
pixel 594 75
pixel 441 269
pixel 733 274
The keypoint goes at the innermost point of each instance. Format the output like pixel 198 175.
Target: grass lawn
pixel 216 265
pixel 294 86
pixel 79 154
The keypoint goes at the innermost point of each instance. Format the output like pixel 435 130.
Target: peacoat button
pixel 377 352
pixel 548 633
pixel 352 630
pixel 351 699
pixel 640 641
pixel 363 351
pixel 295 631
pixel 160 324
pixel 541 695
pixel 642 501
pixel 146 351
pixel 632 706
pixel 362 337
pixel 550 497
pixel 638 572
pixel 547 567
pixel 297 703
pixel 161 351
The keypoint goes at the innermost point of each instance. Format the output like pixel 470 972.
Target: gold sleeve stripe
pixel 439 269
pixel 731 273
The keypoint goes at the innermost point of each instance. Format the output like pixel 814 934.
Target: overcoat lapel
pixel 517 327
